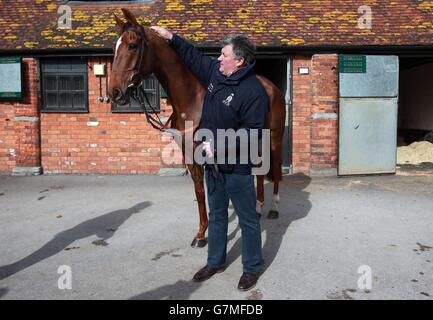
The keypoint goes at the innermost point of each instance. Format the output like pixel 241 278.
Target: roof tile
pixel 32 24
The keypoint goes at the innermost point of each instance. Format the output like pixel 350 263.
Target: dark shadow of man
pixel 3 292
pixel 294 204
pixel 180 290
pixel 103 227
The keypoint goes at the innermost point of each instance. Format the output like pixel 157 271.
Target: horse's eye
pixel 132 46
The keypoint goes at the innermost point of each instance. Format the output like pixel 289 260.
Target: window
pixel 151 87
pixel 64 85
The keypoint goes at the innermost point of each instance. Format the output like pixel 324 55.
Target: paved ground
pixel 128 237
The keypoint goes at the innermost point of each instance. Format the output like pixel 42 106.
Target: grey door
pixel 368 114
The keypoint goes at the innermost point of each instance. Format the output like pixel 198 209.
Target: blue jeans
pixel 240 190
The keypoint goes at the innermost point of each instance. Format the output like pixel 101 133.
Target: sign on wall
pixel 350 63
pixel 10 78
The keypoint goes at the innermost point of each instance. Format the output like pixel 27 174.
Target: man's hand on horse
pixel 163 33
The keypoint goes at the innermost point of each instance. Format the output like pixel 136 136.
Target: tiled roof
pixel 32 24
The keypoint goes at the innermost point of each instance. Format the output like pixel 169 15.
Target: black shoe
pixel 247 281
pixel 206 272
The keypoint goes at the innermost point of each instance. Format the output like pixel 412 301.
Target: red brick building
pixel 59 126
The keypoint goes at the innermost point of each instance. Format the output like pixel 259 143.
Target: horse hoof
pixel 273 214
pixel 197 243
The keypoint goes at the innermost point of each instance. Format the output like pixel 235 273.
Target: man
pixel 234 100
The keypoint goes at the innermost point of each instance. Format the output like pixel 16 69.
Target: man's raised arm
pixel 200 64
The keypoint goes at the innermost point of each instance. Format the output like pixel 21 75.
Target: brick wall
pixel 101 141
pixel 324 124
pixel 124 143
pixel 301 116
pixel 7 138
pixel 19 126
pixel 315 113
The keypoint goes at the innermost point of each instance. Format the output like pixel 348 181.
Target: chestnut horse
pixel 140 52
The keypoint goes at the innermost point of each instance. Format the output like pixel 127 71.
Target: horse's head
pixel 132 59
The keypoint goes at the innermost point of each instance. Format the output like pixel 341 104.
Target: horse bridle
pixel 137 91
pixel 131 83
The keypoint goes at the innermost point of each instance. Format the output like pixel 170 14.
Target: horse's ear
pixel 119 22
pixel 130 16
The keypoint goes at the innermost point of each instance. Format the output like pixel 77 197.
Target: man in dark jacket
pixel 235 100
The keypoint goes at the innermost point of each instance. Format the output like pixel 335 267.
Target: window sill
pixel 64 111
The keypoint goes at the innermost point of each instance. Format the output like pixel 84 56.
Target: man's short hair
pixel 242 46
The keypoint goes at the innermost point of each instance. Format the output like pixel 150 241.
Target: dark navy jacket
pixel 234 102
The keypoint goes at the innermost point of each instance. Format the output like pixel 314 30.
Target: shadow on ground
pixel 103 227
pixel 294 205
pixel 180 290
pixel 3 292
pixel 424 168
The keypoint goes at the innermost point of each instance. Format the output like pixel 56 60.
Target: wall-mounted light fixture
pixel 303 70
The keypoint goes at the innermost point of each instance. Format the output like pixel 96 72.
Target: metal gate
pixel 368 114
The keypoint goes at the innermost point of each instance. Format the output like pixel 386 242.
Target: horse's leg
pixel 276 170
pixel 197 175
pixel 260 194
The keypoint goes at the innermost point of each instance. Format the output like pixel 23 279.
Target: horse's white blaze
pixel 275 201
pixel 119 42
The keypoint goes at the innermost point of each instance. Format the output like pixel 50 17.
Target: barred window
pixel 151 86
pixel 64 85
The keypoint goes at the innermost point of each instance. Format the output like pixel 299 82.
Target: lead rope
pixel 157 123
pixel 138 94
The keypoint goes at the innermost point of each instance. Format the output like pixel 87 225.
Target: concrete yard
pixel 128 237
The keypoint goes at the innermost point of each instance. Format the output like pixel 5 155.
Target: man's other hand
pixel 207 149
pixel 163 33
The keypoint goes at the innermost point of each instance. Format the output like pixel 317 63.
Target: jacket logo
pixel 210 87
pixel 228 100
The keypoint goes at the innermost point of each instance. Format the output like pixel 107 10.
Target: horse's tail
pixel 270 174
